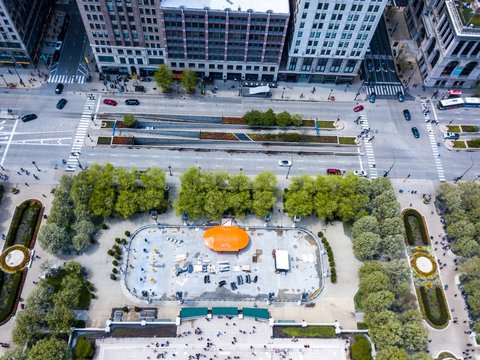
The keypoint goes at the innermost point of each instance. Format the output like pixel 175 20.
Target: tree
pixel 240 197
pixel 83 234
pixel 373 282
pixel 377 301
pixel 164 78
pixel 391 353
pixel 50 349
pixel 60 319
pixel 284 119
pixel 466 247
pixel 102 199
pixel 54 238
pixel 361 349
pixel 385 329
pixel 369 267
pixel 367 246
pixel 129 120
pixel 297 120
pixel 405 300
pixel 253 117
pixel 392 245
pixel 83 349
pixel 420 356
pixel 16 354
pixel 392 226
pixel 326 200
pixel 387 210
pixel 299 195
pixel 28 326
pixel 189 80
pixel 462 229
pixel 415 336
pixel 471 268
pixel 398 271
pixel 268 118
pixel 192 194
pixel 127 200
pixel 351 205
pixel 153 194
pixel 365 224
pixel 215 204
pixel 264 193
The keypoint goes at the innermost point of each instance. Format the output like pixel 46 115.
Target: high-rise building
pixel 22 26
pixel 447 33
pixel 227 39
pixel 329 39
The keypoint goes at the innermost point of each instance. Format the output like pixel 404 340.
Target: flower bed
pixel 433 306
pixel 217 136
pixel 122 140
pixel 326 331
pixel 415 228
pixel 14 259
pixel 104 140
pixel 423 264
pixel 233 120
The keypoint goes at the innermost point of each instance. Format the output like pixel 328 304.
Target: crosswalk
pixel 386 89
pixel 66 79
pixel 433 143
pixel 369 148
pixel 74 161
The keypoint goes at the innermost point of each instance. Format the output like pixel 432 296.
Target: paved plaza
pixel 229 339
pixel 165 260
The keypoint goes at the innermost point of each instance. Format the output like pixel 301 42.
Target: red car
pixel 110 102
pixel 358 108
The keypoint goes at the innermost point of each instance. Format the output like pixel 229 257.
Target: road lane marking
pixel 9 142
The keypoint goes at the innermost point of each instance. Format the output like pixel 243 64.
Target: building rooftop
pixel 469 11
pixel 276 6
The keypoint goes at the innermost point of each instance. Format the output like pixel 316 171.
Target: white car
pixel 361 173
pixel 58 45
pixel 285 163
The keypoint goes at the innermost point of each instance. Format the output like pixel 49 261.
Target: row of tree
pixel 343 198
pixel 382 233
pixel 81 202
pixel 50 310
pixel 462 215
pixel 391 313
pixel 164 78
pixel 211 195
pixel 269 118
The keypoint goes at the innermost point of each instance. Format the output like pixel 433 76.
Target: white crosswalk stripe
pixel 82 129
pixel 368 148
pixel 433 144
pixel 66 79
pixel 385 89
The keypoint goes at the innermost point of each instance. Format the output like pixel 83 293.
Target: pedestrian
pixel 26 184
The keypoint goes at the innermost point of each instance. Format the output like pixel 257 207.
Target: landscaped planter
pixel 14 259
pixel 122 140
pixel 217 136
pixel 294 137
pixel 433 305
pixel 415 228
pixel 423 264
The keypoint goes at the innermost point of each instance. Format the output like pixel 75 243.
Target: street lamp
pixel 478 176
pixel 391 167
pixel 283 91
pixel 331 90
pixel 170 170
pixel 4 79
pixel 406 178
pixel 35 164
pixel 457 179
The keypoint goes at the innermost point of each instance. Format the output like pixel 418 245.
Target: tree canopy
pixel 164 78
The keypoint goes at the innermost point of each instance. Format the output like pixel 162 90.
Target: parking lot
pixel 163 261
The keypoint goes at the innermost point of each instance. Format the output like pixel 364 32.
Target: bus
pixel 452 94
pixel 450 104
pixel 471 102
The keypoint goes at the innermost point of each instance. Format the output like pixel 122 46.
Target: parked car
pixel 416 133
pixel 400 97
pixel 29 117
pixel 233 286
pixel 334 172
pixel 406 115
pixel 372 97
pixel 358 108
pixel 110 102
pixel 361 173
pixel 285 163
pixel 61 104
pixel 132 102
pixel 59 89
pixel 451 136
pixel 58 45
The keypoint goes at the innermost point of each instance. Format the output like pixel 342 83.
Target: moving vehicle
pixel 29 117
pixel 372 97
pixel 451 136
pixel 400 97
pixel 110 102
pixel 58 45
pixel 406 115
pixel 450 104
pixel 61 104
pixel 453 94
pixel 361 173
pixel 132 102
pixel 416 133
pixel 59 89
pixel 285 163
pixel 471 102
pixel 334 172
pixel 358 108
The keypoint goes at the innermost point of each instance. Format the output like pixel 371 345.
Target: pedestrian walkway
pixel 368 146
pixel 73 161
pixel 66 79
pixel 385 89
pixel 433 142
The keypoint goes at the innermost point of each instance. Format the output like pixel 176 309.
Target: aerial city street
pixel 284 179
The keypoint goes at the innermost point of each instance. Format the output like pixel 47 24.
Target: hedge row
pixel 11 288
pixel 24 224
pixel 331 260
pixel 409 230
pixel 443 318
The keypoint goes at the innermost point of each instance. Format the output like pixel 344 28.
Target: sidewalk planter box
pixel 415 228
pixel 217 136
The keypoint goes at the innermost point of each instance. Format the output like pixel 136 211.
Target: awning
pixel 256 313
pixel 193 312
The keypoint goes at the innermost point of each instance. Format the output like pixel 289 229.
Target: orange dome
pixel 226 238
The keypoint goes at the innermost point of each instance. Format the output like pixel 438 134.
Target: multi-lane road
pixel 51 137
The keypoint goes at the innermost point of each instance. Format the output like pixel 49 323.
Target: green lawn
pixel 344 140
pixel 104 140
pixel 56 283
pixel 454 128
pixel 459 144
pixel 310 331
pixel 466 14
pixel 475 143
pixel 469 128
